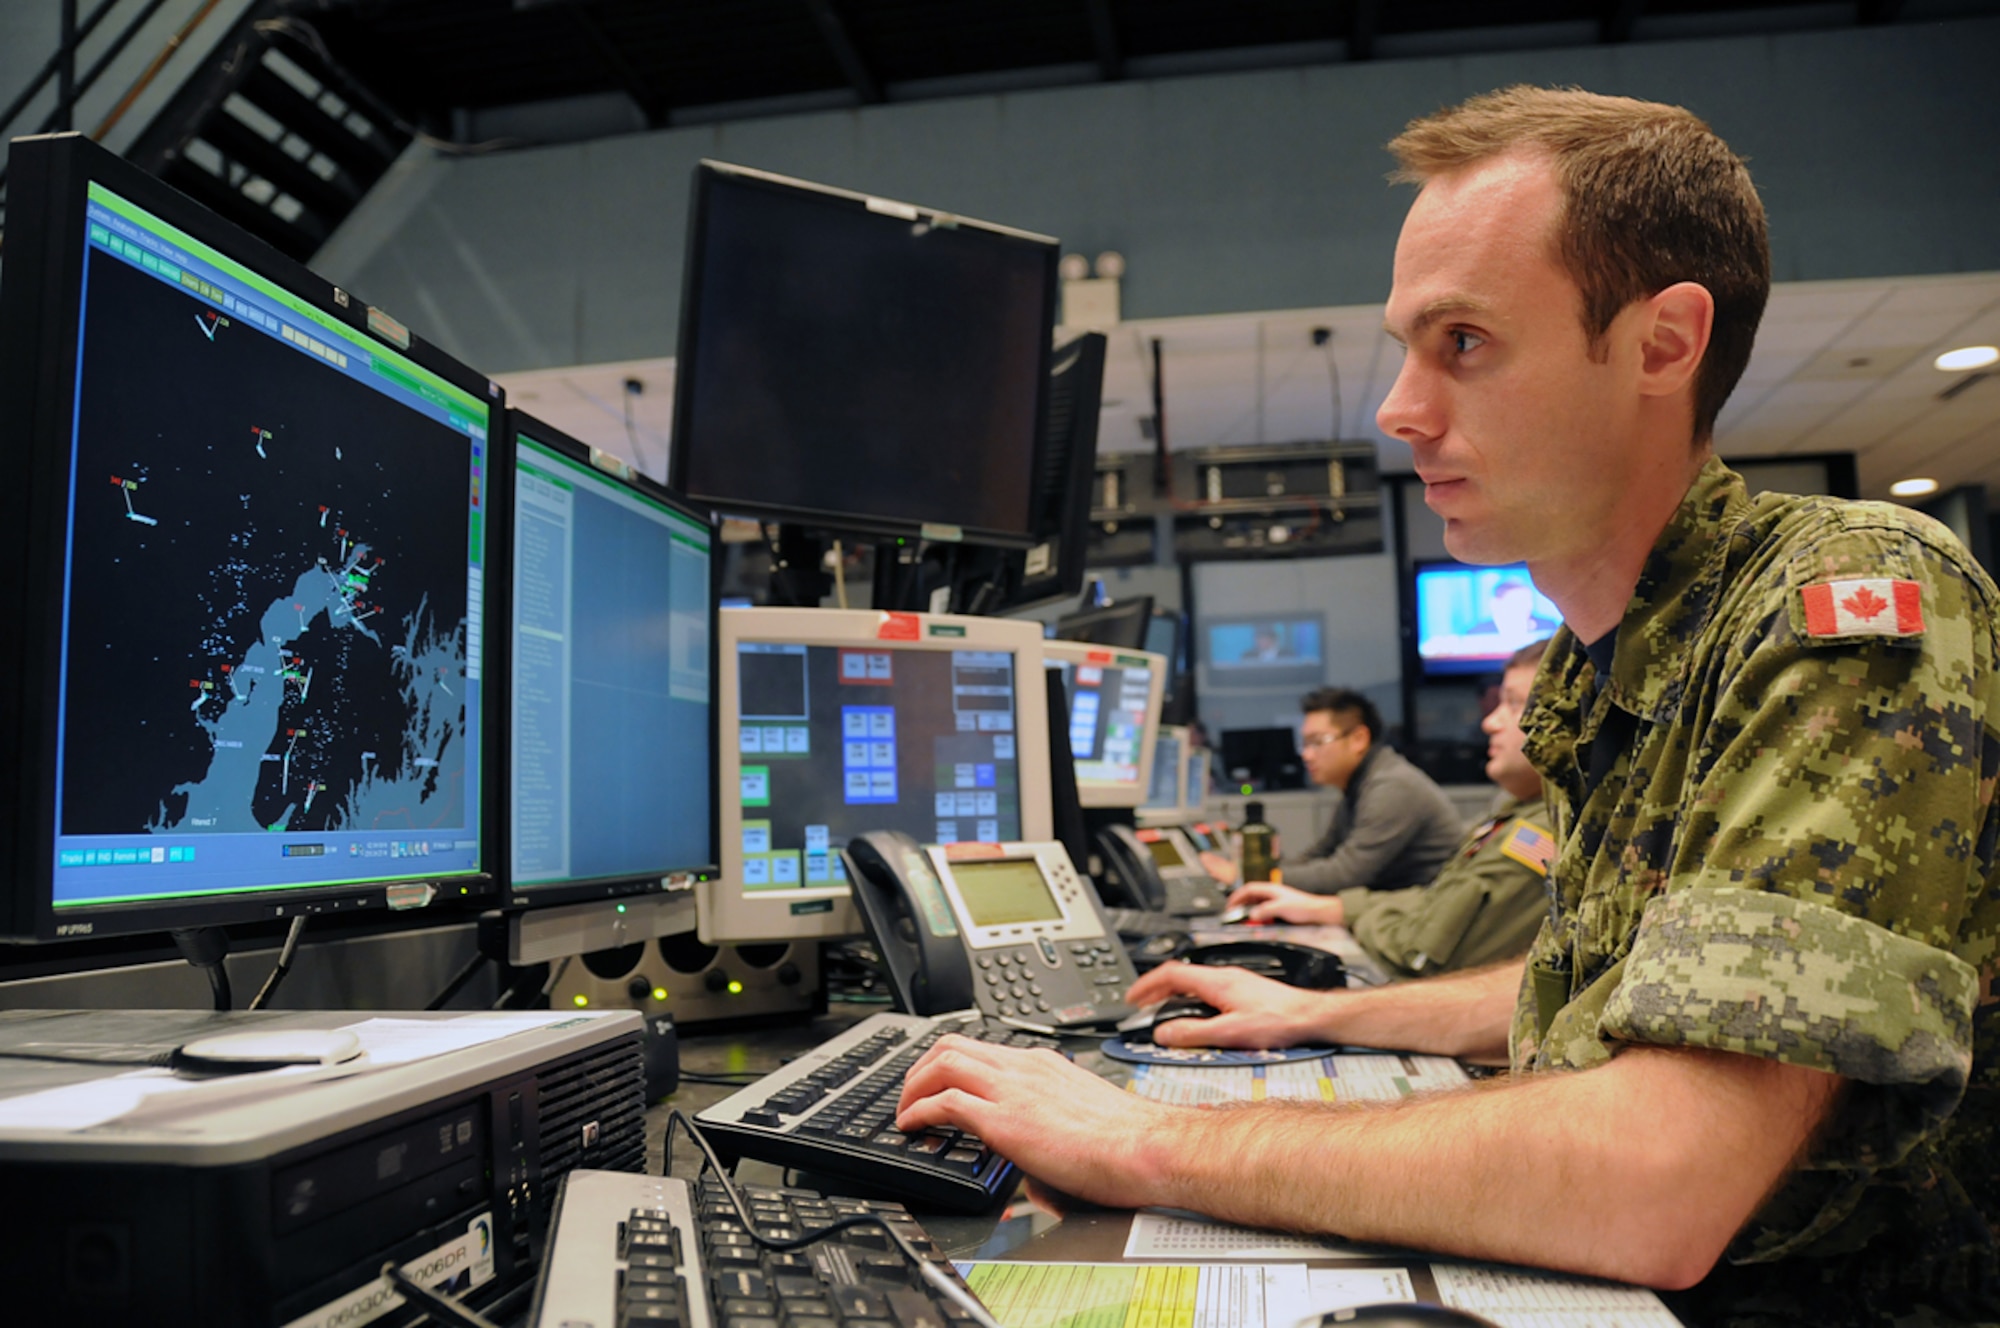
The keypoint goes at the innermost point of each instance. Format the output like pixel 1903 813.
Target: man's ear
pixel 1674 328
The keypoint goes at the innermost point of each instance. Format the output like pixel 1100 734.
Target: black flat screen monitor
pixel 246 557
pixel 855 363
pixel 1259 760
pixel 994 580
pixel 611 742
pixel 1124 625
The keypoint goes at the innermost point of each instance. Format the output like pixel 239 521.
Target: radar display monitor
pixel 836 722
pixel 610 751
pixel 856 363
pixel 247 559
pixel 1114 718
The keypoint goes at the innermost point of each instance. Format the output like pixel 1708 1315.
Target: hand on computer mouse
pixel 1143 1024
pixel 1254 1011
pixel 1271 902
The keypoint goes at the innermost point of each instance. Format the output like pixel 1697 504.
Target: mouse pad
pixel 1145 1053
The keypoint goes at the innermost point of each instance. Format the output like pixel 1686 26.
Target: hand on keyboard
pixel 1061 1125
pixel 833 1112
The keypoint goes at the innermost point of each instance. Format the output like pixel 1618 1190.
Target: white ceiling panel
pixel 1248 378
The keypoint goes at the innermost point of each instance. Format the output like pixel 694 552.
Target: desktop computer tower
pixel 272 1200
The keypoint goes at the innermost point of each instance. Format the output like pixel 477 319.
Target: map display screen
pixel 272 607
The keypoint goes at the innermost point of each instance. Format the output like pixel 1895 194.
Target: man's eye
pixel 1462 341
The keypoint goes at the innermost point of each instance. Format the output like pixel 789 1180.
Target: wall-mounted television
pixel 1275 649
pixel 1470 619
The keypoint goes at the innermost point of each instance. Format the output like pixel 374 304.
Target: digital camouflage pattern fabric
pixel 1485 904
pixel 1793 856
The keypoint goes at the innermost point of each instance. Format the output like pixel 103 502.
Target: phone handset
pixel 1133 873
pixel 911 922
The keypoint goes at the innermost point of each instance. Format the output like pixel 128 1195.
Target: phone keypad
pixel 1011 982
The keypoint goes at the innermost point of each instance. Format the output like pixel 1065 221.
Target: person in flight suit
pixel 1487 903
pixel 1753 1051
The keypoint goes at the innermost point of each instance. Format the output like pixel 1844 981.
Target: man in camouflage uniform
pixel 1753 1051
pixel 1786 850
pixel 1489 900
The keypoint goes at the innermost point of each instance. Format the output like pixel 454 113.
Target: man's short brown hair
pixel 1651 196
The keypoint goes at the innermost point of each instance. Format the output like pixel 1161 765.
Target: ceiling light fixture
pixel 1968 357
pixel 1913 488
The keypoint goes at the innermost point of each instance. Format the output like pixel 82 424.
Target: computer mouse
pixel 1138 1028
pixel 266 1049
pixel 1283 961
pixel 1399 1314
pixel 1229 917
pixel 1158 949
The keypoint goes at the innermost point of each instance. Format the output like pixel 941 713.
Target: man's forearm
pixel 1546 1171
pixel 1466 1015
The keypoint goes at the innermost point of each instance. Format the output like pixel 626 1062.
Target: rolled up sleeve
pixel 1762 974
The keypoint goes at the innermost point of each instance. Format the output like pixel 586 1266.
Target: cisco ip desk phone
pixel 1011 929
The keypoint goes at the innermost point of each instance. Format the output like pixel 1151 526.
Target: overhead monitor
pixel 1169 782
pixel 247 567
pixel 856 363
pixel 1471 619
pixel 1125 623
pixel 1114 718
pixel 1265 650
pixel 995 580
pixel 837 722
pixel 610 750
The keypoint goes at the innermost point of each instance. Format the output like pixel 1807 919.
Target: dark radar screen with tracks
pixel 270 662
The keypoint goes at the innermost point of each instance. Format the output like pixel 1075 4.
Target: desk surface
pixel 1016 1232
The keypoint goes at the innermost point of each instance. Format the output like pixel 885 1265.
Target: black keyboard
pixel 628 1251
pixel 833 1112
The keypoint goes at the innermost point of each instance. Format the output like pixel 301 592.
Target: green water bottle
pixel 1258 855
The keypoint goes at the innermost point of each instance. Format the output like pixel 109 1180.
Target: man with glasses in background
pixel 1394 827
pixel 1487 903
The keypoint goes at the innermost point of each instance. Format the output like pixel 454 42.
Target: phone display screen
pixel 999 894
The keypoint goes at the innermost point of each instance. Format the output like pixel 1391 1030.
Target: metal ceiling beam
pixel 1104 36
pixel 1618 18
pixel 621 69
pixel 1365 21
pixel 833 29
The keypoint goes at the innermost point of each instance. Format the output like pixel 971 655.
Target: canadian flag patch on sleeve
pixel 1867 606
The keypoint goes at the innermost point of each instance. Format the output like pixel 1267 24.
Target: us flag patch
pixel 1531 846
pixel 1867 606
